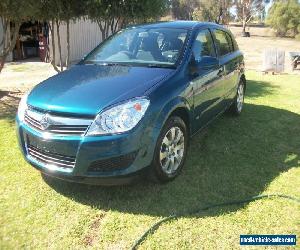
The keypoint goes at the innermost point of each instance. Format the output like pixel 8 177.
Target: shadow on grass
pixel 233 159
pixel 259 88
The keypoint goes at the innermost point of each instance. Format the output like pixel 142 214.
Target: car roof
pixel 180 25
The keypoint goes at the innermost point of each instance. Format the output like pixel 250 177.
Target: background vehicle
pixel 132 103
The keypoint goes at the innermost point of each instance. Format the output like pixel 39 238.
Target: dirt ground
pixel 22 76
pixel 261 39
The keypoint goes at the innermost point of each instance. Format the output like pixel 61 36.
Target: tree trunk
pixel 219 15
pixel 8 47
pixel 115 25
pixel 59 45
pixel 107 25
pixel 5 23
pixel 2 61
pixel 68 45
pixel 53 59
pixel 244 26
pixel 102 29
pixel 244 19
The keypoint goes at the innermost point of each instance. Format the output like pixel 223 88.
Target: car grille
pixel 50 158
pixel 112 164
pixel 56 124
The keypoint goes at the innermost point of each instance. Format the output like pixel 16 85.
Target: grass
pixel 256 153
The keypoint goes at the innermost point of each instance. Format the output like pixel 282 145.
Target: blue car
pixel 130 106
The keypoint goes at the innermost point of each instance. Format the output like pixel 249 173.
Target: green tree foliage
pixel 12 14
pixel 111 15
pixel 213 11
pixel 183 9
pixel 284 17
pixel 135 11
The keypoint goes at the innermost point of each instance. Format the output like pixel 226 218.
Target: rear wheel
pixel 238 103
pixel 170 152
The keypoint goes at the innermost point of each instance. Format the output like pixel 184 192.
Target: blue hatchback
pixel 131 105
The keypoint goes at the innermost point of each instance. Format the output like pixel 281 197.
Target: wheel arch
pixel 183 113
pixel 177 107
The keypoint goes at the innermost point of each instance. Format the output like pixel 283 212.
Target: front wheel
pixel 238 103
pixel 170 152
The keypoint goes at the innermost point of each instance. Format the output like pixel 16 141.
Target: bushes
pixel 284 18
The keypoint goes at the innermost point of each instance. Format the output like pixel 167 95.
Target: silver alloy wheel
pixel 240 97
pixel 172 150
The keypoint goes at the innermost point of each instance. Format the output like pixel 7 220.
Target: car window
pixel 235 45
pixel 223 42
pixel 230 42
pixel 203 45
pixel 140 46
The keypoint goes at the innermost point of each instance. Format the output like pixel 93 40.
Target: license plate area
pixel 52 154
pixel 54 146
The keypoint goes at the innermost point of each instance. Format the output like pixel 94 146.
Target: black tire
pixel 157 174
pixel 235 107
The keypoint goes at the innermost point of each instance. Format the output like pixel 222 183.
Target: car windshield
pixel 157 47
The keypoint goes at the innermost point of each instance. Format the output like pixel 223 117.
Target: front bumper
pixel 107 160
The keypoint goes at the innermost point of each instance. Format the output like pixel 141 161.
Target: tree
pixel 136 11
pixel 106 13
pixel 70 10
pixel 284 17
pixel 247 9
pixel 12 14
pixel 56 12
pixel 213 11
pixel 183 9
pixel 111 15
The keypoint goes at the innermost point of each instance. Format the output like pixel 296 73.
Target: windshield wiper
pixel 158 66
pixel 130 64
pixel 113 64
pixel 106 63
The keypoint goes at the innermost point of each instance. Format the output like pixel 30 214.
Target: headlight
pixel 22 107
pixel 120 118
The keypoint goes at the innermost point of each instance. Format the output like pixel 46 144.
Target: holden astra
pixel 129 107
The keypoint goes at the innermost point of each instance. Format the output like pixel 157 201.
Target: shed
pixel 34 37
pixel 85 35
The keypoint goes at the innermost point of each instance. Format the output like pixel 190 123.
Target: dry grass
pixel 261 39
pixel 24 75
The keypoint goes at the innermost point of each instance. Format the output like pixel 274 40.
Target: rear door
pixel 229 59
pixel 207 83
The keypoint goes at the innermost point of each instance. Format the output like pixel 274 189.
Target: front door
pixel 207 82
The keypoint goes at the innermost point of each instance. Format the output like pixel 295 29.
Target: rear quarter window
pixel 235 45
pixel 224 42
